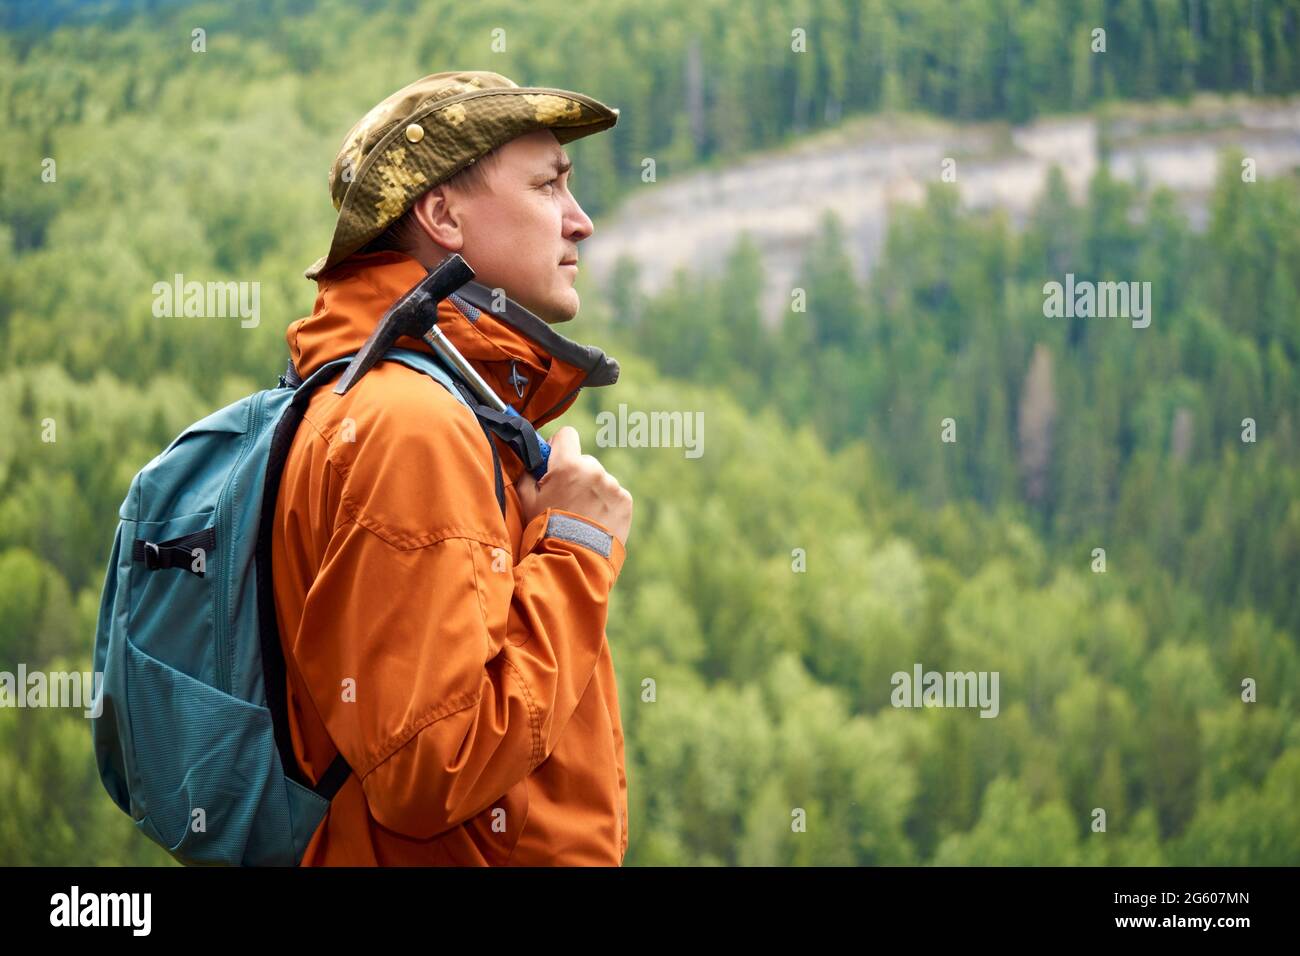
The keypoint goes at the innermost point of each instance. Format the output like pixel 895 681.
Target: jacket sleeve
pixel 444 667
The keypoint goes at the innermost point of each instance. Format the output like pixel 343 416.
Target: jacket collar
pixel 528 363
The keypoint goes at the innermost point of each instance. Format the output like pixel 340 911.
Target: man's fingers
pixel 566 444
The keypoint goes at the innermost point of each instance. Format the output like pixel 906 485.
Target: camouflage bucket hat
pixel 428 131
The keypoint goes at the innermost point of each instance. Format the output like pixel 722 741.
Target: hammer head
pixel 413 314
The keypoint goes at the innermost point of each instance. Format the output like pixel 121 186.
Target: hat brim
pixel 455 132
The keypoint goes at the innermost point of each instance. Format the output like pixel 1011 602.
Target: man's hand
pixel 578 483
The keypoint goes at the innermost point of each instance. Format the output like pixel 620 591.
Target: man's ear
pixel 436 214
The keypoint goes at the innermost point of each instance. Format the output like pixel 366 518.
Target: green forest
pixel 919 467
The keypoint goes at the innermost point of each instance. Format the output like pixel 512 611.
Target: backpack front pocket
pixel 173 584
pixel 209 787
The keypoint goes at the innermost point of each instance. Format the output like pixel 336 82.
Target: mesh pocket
pixel 198 749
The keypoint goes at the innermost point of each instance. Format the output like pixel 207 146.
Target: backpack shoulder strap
pixel 424 362
pixel 304 388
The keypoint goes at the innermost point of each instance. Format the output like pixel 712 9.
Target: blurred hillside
pixel 866 167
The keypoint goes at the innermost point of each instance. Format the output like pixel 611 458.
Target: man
pixel 443 614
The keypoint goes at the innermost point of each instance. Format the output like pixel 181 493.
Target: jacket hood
pixel 527 363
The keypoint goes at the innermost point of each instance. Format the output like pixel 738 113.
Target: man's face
pixel 522 233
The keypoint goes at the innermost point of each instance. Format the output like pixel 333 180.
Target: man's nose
pixel 578 225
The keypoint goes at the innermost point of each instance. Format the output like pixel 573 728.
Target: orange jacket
pixel 456 658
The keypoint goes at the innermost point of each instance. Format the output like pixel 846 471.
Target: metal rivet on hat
pixel 415 132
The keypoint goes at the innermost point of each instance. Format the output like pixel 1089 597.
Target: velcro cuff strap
pixel 568 528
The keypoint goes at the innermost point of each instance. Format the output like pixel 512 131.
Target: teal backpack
pixel 193 737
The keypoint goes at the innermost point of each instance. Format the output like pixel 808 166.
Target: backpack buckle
pixel 152 556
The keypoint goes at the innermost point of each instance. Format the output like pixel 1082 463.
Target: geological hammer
pixel 416 314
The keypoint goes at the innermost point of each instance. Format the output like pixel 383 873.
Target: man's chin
pixel 562 308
